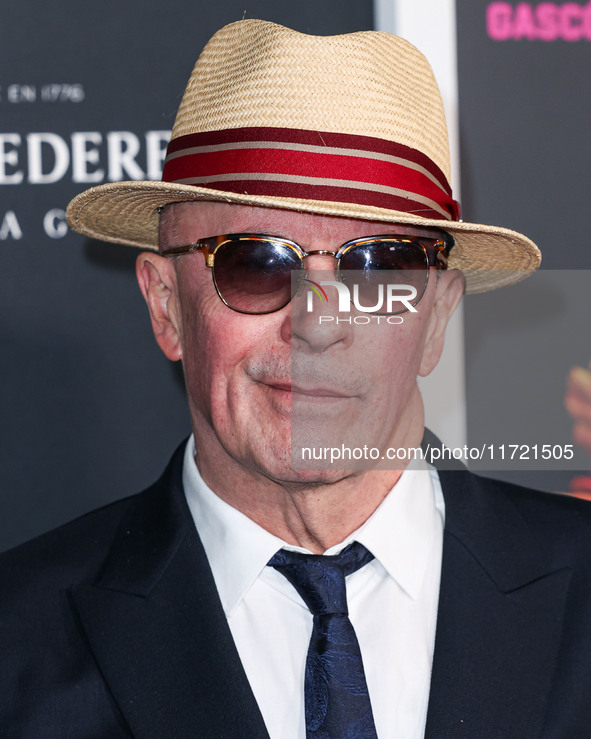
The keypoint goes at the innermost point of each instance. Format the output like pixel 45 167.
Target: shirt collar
pixel 400 533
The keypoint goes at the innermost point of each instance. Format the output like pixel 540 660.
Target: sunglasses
pixel 253 273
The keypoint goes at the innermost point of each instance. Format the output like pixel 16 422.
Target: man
pixel 247 594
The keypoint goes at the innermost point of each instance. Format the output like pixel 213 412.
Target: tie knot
pixel 320 578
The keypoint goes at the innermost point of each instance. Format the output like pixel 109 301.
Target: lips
pixel 312 392
pixel 307 382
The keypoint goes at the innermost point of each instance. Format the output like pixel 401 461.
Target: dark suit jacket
pixel 111 626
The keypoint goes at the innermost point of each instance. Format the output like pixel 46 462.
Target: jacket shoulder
pixel 543 508
pixel 518 516
pixel 50 682
pixel 65 555
pixel 75 552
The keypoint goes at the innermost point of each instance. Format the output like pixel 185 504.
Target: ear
pixel 157 280
pixel 449 291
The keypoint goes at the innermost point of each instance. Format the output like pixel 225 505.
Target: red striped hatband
pixel 313 165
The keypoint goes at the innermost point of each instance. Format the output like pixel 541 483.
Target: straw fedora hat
pixel 350 125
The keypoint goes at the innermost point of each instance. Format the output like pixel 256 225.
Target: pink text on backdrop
pixel 541 22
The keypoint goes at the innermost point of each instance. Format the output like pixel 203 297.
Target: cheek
pixel 212 353
pixel 220 346
pixel 205 330
pixel 394 362
pixel 409 348
pixel 397 349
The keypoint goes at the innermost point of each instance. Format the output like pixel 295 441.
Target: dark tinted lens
pixel 380 266
pixel 253 275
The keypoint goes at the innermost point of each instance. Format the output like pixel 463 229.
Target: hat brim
pixel 128 213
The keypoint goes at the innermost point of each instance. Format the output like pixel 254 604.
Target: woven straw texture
pixel 368 83
pixel 256 73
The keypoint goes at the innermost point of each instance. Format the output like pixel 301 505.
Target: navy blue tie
pixel 336 696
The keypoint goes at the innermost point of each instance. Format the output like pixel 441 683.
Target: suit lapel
pixel 157 629
pixel 500 614
pixel 158 632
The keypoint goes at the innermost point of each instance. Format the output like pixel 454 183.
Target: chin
pixel 276 464
pixel 311 478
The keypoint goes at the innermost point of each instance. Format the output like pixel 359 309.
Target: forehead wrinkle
pixel 309 230
pixel 186 222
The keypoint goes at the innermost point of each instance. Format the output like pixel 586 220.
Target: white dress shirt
pixel 392 602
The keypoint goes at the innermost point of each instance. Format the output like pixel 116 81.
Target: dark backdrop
pixel 90 409
pixel 525 117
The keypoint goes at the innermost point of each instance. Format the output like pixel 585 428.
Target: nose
pixel 315 323
pixel 321 261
